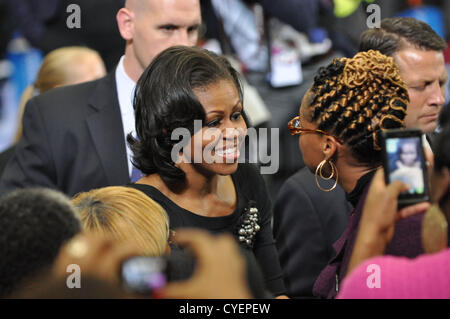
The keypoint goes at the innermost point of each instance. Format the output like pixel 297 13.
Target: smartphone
pixel 404 160
pixel 142 274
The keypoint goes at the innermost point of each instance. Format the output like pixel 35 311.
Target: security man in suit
pixel 74 137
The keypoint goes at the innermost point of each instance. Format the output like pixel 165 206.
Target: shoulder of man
pixel 73 97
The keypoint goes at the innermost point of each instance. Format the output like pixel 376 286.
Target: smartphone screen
pixel 144 274
pixel 405 161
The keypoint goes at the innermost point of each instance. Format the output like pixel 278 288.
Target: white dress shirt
pixel 125 92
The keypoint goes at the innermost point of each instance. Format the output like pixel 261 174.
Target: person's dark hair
pixel 396 33
pixel 444 116
pixel 34 224
pixel 164 100
pixel 355 99
pixel 441 149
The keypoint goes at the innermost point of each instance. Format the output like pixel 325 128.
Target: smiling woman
pixel 202 184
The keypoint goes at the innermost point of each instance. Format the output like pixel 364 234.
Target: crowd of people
pixel 150 160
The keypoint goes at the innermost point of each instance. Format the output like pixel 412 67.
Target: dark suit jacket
pixel 72 140
pixel 5 156
pixel 307 221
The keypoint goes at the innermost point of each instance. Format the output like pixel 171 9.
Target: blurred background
pixel 277 45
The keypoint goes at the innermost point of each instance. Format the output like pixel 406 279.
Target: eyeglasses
pixel 295 129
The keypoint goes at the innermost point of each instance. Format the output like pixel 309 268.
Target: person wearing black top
pixel 189 131
pixel 340 122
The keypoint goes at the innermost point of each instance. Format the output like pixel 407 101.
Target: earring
pixel 434 230
pixel 333 172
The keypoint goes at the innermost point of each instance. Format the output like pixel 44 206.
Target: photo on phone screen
pixel 405 162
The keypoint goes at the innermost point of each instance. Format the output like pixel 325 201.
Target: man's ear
pixel 329 146
pixel 125 22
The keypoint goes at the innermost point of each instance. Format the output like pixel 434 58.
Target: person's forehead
pixel 307 100
pixel 177 12
pixel 420 65
pixel 216 95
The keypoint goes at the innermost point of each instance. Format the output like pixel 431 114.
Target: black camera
pixel 142 275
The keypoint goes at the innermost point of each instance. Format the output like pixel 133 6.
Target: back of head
pixel 444 116
pixel 34 224
pixel 440 186
pixel 441 144
pixel 397 33
pixel 125 214
pixel 355 99
pixel 165 100
pixel 68 65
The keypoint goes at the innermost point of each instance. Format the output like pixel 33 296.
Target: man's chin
pixel 428 127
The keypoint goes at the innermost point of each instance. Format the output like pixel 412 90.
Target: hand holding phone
pixel 380 214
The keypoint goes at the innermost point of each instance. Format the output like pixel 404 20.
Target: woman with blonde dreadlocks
pixel 339 126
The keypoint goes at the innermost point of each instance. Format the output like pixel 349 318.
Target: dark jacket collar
pixel 354 196
pixel 106 130
pixel 99 99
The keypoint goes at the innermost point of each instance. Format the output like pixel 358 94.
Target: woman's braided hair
pixel 354 99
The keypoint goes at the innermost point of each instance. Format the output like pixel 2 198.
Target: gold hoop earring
pixel 333 172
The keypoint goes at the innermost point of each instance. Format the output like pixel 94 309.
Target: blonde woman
pixel 125 214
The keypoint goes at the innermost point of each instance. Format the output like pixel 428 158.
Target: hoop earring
pixel 333 172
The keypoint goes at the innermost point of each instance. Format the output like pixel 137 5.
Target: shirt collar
pixel 125 87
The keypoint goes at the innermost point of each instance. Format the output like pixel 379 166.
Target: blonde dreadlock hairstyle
pixel 355 99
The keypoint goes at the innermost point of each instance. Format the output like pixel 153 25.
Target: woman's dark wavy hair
pixel 355 99
pixel 164 100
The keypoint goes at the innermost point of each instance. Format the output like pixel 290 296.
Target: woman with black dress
pixel 190 129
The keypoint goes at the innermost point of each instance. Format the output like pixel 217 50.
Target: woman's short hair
pixel 125 214
pixel 164 100
pixel 355 99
